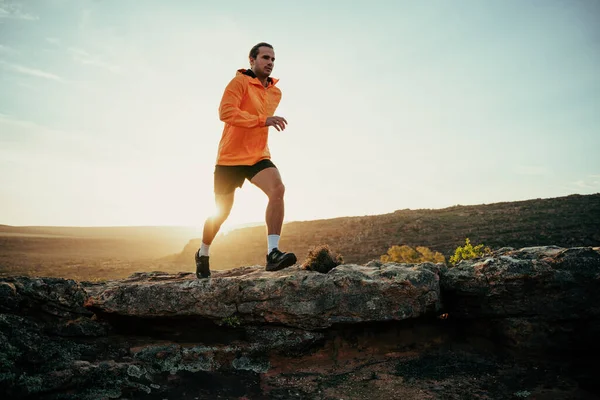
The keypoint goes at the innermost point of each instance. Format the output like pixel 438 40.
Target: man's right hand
pixel 278 122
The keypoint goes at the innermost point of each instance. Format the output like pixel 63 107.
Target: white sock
pixel 203 249
pixel 273 241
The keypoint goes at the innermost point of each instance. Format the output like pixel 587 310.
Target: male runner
pixel 247 109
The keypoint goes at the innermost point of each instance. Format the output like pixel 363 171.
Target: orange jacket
pixel 244 108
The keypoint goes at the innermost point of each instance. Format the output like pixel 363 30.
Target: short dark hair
pixel 254 50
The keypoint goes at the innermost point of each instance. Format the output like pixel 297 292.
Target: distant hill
pixel 84 253
pixel 564 221
pixel 33 245
pixel 104 232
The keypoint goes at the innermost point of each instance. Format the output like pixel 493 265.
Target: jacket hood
pixel 250 73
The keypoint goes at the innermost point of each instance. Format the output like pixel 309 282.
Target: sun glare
pixel 248 208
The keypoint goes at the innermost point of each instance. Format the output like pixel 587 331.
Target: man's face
pixel 262 65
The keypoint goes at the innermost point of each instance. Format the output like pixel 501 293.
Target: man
pixel 247 109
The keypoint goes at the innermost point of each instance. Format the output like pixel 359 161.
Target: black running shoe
pixel 277 260
pixel 202 267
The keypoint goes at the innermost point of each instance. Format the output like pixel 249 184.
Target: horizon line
pixel 257 223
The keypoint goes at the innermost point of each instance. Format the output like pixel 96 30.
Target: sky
pixel 109 109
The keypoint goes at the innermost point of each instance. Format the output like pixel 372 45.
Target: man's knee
pixel 223 211
pixel 221 215
pixel 224 204
pixel 277 192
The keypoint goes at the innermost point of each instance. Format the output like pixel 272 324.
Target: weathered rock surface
pixel 545 282
pixel 360 332
pixel 292 297
pixel 536 298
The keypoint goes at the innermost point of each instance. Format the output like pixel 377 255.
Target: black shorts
pixel 230 177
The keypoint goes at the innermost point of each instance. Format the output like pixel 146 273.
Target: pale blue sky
pixel 108 109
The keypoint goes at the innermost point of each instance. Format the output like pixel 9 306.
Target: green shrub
pixel 232 321
pixel 406 254
pixel 468 252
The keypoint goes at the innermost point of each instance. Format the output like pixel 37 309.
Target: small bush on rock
pixel 468 252
pixel 321 259
pixel 406 254
pixel 232 321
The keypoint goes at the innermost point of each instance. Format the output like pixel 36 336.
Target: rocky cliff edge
pixel 518 323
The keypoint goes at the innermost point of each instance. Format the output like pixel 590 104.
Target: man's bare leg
pixel 269 181
pixel 224 203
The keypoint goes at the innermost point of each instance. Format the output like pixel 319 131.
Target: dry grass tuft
pixel 321 259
